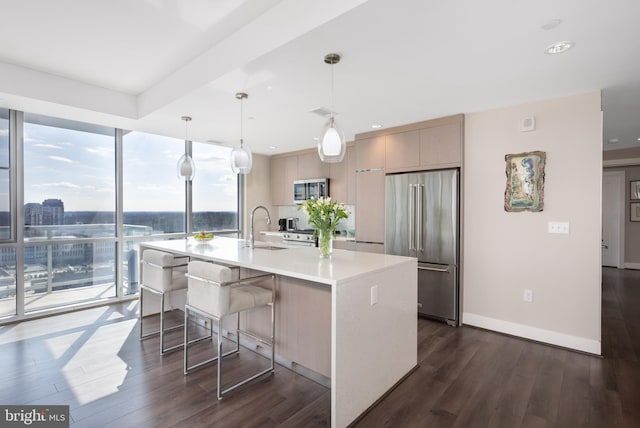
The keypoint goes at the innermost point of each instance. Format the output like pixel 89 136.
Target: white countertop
pixel 294 261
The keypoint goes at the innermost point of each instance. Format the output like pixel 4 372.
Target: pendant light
pixel 186 167
pixel 332 146
pixel 241 159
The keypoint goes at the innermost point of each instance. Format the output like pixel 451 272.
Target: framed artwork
pixel 634 190
pixel 525 182
pixel 635 211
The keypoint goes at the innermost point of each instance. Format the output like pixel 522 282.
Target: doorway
pixel 613 218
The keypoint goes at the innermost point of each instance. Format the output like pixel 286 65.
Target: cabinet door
pixel 344 245
pixel 283 172
pixel 351 175
pixel 402 150
pixel 370 206
pixel 342 187
pixel 310 166
pixel 370 153
pixel 368 247
pixel 441 145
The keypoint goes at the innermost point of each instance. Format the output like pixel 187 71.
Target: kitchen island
pixel 370 312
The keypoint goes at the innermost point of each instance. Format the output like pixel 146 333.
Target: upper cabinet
pixel 310 166
pixel 441 146
pixel 342 184
pixel 370 153
pixel 283 171
pixel 430 144
pixel 402 150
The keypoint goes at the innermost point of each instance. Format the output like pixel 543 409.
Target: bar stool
pixel 161 274
pixel 213 295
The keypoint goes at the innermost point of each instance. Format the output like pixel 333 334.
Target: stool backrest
pixel 203 295
pixel 156 270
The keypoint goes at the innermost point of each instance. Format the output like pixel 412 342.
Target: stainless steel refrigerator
pixel 421 220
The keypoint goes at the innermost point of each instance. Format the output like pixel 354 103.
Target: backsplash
pixel 346 226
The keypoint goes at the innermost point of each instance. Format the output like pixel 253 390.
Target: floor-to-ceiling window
pixel 69 212
pixel 7 251
pixel 86 195
pixel 215 190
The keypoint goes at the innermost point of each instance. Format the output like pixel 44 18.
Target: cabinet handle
pixel 369 169
pixel 434 269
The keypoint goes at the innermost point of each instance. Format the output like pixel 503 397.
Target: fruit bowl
pixel 200 237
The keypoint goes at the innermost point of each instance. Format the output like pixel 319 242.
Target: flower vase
pixel 325 243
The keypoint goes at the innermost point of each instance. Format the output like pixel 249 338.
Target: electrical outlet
pixel 527 296
pixel 561 227
pixel 374 295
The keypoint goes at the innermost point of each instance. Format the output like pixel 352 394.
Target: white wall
pixel 505 253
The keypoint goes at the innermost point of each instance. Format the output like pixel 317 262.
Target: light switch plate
pixel 561 227
pixel 374 295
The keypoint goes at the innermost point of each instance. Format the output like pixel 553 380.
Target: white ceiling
pixel 142 64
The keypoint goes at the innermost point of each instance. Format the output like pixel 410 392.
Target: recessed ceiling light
pixel 269 88
pixel 551 24
pixel 272 147
pixel 638 138
pixel 316 138
pixel 613 140
pixel 376 126
pixel 559 47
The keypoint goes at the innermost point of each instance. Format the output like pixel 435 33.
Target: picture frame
pixel 525 181
pixel 635 211
pixel 634 190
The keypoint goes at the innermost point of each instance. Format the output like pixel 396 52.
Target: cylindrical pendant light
pixel 332 146
pixel 186 167
pixel 241 158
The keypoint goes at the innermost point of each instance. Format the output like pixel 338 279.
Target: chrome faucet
pixel 251 237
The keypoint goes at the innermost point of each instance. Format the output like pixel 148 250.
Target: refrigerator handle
pixel 412 217
pixel 418 227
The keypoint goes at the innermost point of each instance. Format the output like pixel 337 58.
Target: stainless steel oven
pixel 308 189
pixel 300 237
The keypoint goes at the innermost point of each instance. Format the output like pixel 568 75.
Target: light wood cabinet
pixel 303 330
pixel 303 323
pixel 370 153
pixel 441 146
pixel 370 160
pixel 344 245
pixel 310 166
pixel 370 206
pixel 402 150
pixel 283 172
pixel 370 247
pixel 351 175
pixel 342 187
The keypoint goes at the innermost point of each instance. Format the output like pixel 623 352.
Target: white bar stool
pixel 161 274
pixel 213 294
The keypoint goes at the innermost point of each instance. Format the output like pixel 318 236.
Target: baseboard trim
pixel 555 338
pixel 632 266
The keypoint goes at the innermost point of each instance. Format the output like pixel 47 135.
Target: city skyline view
pixel 78 167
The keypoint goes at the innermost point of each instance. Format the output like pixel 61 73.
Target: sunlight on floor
pixel 98 348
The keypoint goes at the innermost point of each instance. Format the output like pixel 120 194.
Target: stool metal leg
pixel 219 389
pixel 162 329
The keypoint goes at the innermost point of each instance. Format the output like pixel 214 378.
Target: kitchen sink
pixel 268 247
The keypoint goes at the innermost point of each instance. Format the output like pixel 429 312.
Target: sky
pixel 78 167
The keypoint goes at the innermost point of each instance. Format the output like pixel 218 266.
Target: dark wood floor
pixel 92 360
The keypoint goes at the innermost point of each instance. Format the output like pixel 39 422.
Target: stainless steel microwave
pixel 307 189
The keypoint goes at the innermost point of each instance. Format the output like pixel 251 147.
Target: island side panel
pixel 303 323
pixel 373 346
